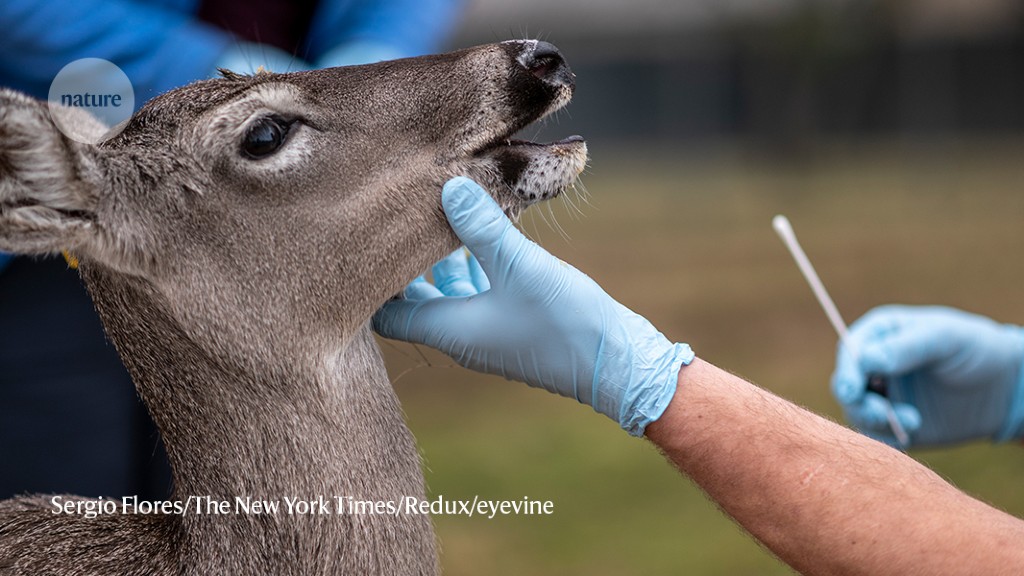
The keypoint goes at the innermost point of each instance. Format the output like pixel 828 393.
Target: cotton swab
pixel 876 384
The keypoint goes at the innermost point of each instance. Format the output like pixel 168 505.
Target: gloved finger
pixel 849 382
pixel 420 289
pixel 476 273
pixel 420 322
pixel 866 415
pixel 391 320
pixel 480 223
pixel 452 276
pixel 909 415
pixel 872 415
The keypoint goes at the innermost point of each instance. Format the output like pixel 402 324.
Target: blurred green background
pixel 888 132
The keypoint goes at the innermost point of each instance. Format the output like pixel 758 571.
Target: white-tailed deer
pixel 236 237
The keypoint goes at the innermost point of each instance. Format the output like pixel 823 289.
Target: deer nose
pixel 544 61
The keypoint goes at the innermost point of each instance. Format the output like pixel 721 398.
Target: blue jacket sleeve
pixel 158 47
pixel 409 27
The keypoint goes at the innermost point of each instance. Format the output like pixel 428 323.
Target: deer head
pixel 277 211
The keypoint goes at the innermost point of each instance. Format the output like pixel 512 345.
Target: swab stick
pixel 785 231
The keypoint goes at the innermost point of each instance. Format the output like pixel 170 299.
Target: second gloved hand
pixel 535 319
pixel 954 376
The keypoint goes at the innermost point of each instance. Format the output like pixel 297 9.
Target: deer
pixel 236 238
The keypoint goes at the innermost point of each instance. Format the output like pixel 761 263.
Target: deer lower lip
pixel 564 141
pixel 534 171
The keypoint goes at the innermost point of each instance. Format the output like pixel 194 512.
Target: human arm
pixel 823 498
pixel 952 376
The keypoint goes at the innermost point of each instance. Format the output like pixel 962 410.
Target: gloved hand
pixel 535 319
pixel 953 376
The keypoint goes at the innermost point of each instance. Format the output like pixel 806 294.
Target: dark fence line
pixel 699 89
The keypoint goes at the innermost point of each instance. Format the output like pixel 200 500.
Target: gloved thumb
pixel 478 221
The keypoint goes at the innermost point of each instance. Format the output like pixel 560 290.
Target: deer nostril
pixel 544 61
pixel 543 66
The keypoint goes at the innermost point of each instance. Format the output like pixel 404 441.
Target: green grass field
pixel 686 240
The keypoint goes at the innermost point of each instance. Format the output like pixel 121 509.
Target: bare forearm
pixel 823 498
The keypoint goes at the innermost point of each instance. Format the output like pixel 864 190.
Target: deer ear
pixel 50 184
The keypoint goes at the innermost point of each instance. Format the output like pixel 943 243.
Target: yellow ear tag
pixel 71 260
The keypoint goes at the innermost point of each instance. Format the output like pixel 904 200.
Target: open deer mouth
pixel 531 171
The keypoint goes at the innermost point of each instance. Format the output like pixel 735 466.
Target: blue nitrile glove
pixel 953 376
pixel 248 57
pixel 541 321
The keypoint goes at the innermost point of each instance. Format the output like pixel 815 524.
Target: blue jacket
pixel 160 45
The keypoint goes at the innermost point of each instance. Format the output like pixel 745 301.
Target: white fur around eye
pixel 225 130
pixel 295 151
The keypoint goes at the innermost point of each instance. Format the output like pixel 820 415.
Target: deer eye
pixel 265 136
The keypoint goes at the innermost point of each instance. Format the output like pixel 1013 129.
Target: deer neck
pixel 323 433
